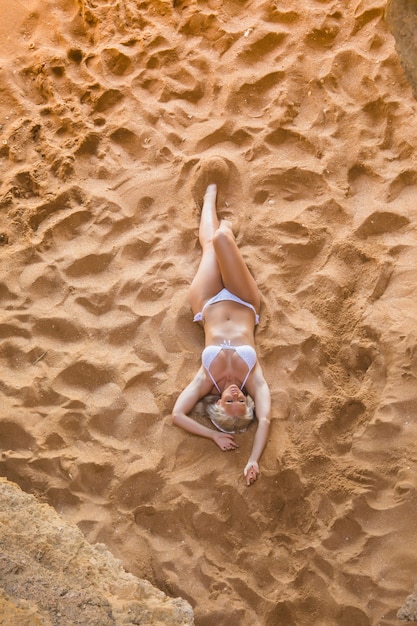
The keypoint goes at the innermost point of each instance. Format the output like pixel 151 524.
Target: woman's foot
pixel 211 193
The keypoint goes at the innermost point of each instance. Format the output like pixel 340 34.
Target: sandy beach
pixel 108 111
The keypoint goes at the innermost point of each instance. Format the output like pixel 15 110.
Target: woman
pixel 225 300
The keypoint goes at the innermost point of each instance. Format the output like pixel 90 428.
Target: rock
pixel 408 612
pixel 50 575
pixel 401 17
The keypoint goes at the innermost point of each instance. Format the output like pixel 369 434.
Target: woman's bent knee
pixel 223 238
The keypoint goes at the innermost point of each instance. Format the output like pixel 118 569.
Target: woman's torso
pixel 234 324
pixel 229 321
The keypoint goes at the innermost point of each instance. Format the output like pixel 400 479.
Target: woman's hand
pixel 251 472
pixel 225 441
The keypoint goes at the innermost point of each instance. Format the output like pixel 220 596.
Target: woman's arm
pixel 187 399
pixel 262 396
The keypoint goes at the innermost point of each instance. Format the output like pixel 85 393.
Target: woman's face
pixel 233 401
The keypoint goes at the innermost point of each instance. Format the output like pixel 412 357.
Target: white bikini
pixel 246 353
pixel 225 294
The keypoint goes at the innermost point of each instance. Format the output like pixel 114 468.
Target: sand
pixel 107 110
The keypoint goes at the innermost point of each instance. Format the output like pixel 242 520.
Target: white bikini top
pixel 246 353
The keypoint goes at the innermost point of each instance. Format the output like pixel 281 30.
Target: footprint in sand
pixel 338 431
pixel 107 100
pixel 15 437
pixel 301 242
pixel 84 375
pixel 381 222
pixel 136 143
pixel 324 35
pixel 93 478
pixel 89 265
pixel 255 97
pixel 89 145
pixel 23 185
pixel 358 356
pixel 116 62
pixel 12 330
pixel 344 534
pixel 404 183
pixel 68 199
pixel 261 47
pixel 128 140
pixel 139 487
pixel 291 184
pixel 217 133
pixel 7 297
pixel 58 329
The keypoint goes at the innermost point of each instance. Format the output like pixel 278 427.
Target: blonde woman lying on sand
pixel 225 300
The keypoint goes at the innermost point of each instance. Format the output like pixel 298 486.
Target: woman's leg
pixel 207 281
pixel 235 274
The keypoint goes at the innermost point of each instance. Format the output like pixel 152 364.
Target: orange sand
pixel 106 108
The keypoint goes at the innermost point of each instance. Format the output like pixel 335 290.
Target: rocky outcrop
pixel 401 16
pixel 50 575
pixel 408 612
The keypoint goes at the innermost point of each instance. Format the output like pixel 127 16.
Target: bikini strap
pixel 246 378
pixel 214 382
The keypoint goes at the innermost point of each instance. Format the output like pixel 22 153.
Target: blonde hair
pixel 209 407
